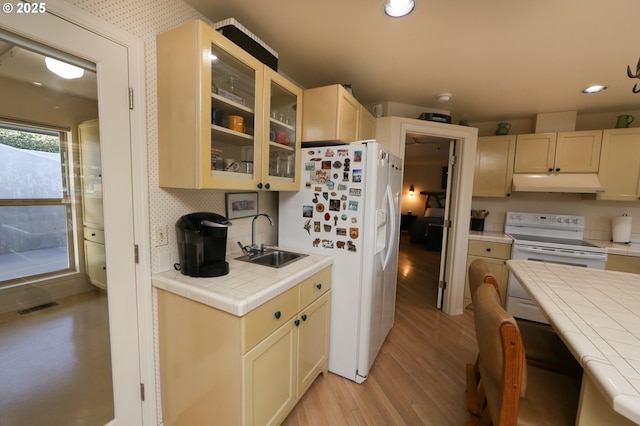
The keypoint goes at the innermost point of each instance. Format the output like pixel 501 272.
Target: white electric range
pixel 547 238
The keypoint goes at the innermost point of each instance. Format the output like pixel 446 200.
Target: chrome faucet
pixel 254 246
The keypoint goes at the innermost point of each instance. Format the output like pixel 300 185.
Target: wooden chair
pixel 516 393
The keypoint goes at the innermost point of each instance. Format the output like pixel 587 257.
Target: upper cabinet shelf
pixel 217 101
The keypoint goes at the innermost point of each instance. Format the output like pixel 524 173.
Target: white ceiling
pixel 500 59
pixel 26 66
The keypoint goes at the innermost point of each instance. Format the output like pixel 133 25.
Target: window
pixel 36 221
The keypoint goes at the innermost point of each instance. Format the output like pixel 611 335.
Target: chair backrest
pixel 502 360
pixel 479 273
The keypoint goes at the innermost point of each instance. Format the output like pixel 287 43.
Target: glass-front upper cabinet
pixel 210 110
pixel 282 152
pixel 233 117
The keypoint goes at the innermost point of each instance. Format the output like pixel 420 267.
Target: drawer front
pixel 268 317
pixel 95 235
pixel 314 287
pixel 490 249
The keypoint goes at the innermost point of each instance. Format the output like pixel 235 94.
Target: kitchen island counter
pixel 245 287
pixel 595 312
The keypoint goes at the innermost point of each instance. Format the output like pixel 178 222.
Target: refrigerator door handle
pixel 392 233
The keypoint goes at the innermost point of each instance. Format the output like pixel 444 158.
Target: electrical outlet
pixel 161 235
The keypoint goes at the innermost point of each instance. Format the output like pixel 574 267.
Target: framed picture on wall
pixel 445 177
pixel 241 204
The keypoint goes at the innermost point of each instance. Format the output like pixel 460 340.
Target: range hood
pixel 582 183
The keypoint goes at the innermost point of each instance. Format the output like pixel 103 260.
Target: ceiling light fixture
pixel 444 97
pixel 63 69
pixel 398 8
pixel 594 89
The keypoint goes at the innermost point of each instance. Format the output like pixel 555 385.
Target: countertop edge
pixel 231 300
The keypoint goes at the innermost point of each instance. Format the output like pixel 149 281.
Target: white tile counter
pixel 632 249
pixel 597 315
pixel 245 287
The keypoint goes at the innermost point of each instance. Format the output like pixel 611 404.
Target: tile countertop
pixel 596 314
pixel 491 236
pixel 245 287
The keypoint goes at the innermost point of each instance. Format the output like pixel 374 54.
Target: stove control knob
pixel 576 221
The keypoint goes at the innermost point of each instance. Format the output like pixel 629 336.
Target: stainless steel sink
pixel 273 258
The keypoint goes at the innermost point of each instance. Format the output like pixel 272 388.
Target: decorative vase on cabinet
pixel 216 107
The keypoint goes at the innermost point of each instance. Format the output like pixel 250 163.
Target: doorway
pixel 427 167
pixel 50 33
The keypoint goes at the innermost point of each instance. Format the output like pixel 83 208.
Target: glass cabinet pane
pixel 282 133
pixel 233 118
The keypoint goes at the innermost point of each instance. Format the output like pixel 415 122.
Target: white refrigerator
pixel 348 206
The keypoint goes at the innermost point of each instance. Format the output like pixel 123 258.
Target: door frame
pixel 143 317
pixel 392 132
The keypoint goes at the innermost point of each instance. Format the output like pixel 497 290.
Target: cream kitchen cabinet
pixel 616 262
pixel 495 255
pixel 94 257
pixel 92 214
pixel 564 152
pixel 332 114
pixel 205 82
pixel 217 368
pixel 494 166
pixel 366 124
pixel 620 165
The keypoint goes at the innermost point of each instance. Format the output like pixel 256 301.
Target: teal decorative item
pixel 503 129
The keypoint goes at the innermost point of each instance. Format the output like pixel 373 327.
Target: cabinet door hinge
pixel 141 391
pixel 130 97
pixel 452 160
pixel 136 256
pixel 442 285
pixel 447 223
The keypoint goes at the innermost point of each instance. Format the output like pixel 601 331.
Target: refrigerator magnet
pixel 307 226
pixel 316 226
pixel 357 156
pixel 307 211
pixel 327 228
pixel 326 165
pixel 353 206
pixel 342 186
pixel 328 244
pixel 329 153
pixel 344 217
pixel 353 233
pixel 330 184
pixel 355 192
pixel 340 244
pixel 343 152
pixel 351 246
pixel 334 205
pixel 319 208
pixel 356 176
pixel 325 195
pixel 341 232
pixel 337 164
pixel 327 217
pixel 309 167
pixel 345 176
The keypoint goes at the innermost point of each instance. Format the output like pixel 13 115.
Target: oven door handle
pixel 581 255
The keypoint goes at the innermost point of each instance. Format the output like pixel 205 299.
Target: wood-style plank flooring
pixel 418 377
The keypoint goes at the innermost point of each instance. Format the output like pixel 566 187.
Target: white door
pixel 113 82
pixel 445 229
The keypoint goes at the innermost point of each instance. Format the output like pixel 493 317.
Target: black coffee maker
pixel 202 244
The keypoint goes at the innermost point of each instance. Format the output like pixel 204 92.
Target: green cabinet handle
pixel 297 322
pixel 267 186
pixel 319 286
pixel 260 185
pixel 304 317
pixel 278 314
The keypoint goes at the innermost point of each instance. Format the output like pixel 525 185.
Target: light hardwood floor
pixel 418 377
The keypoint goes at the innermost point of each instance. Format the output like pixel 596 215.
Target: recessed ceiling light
pixel 444 97
pixel 63 69
pixel 398 8
pixel 594 89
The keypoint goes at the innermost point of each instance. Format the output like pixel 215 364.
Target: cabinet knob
pixel 278 314
pixel 488 248
pixel 93 234
pixel 267 186
pixel 297 322
pixel 260 185
pixel 104 268
pixel 550 169
pixel 557 169
pixel 319 286
pixel 304 317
